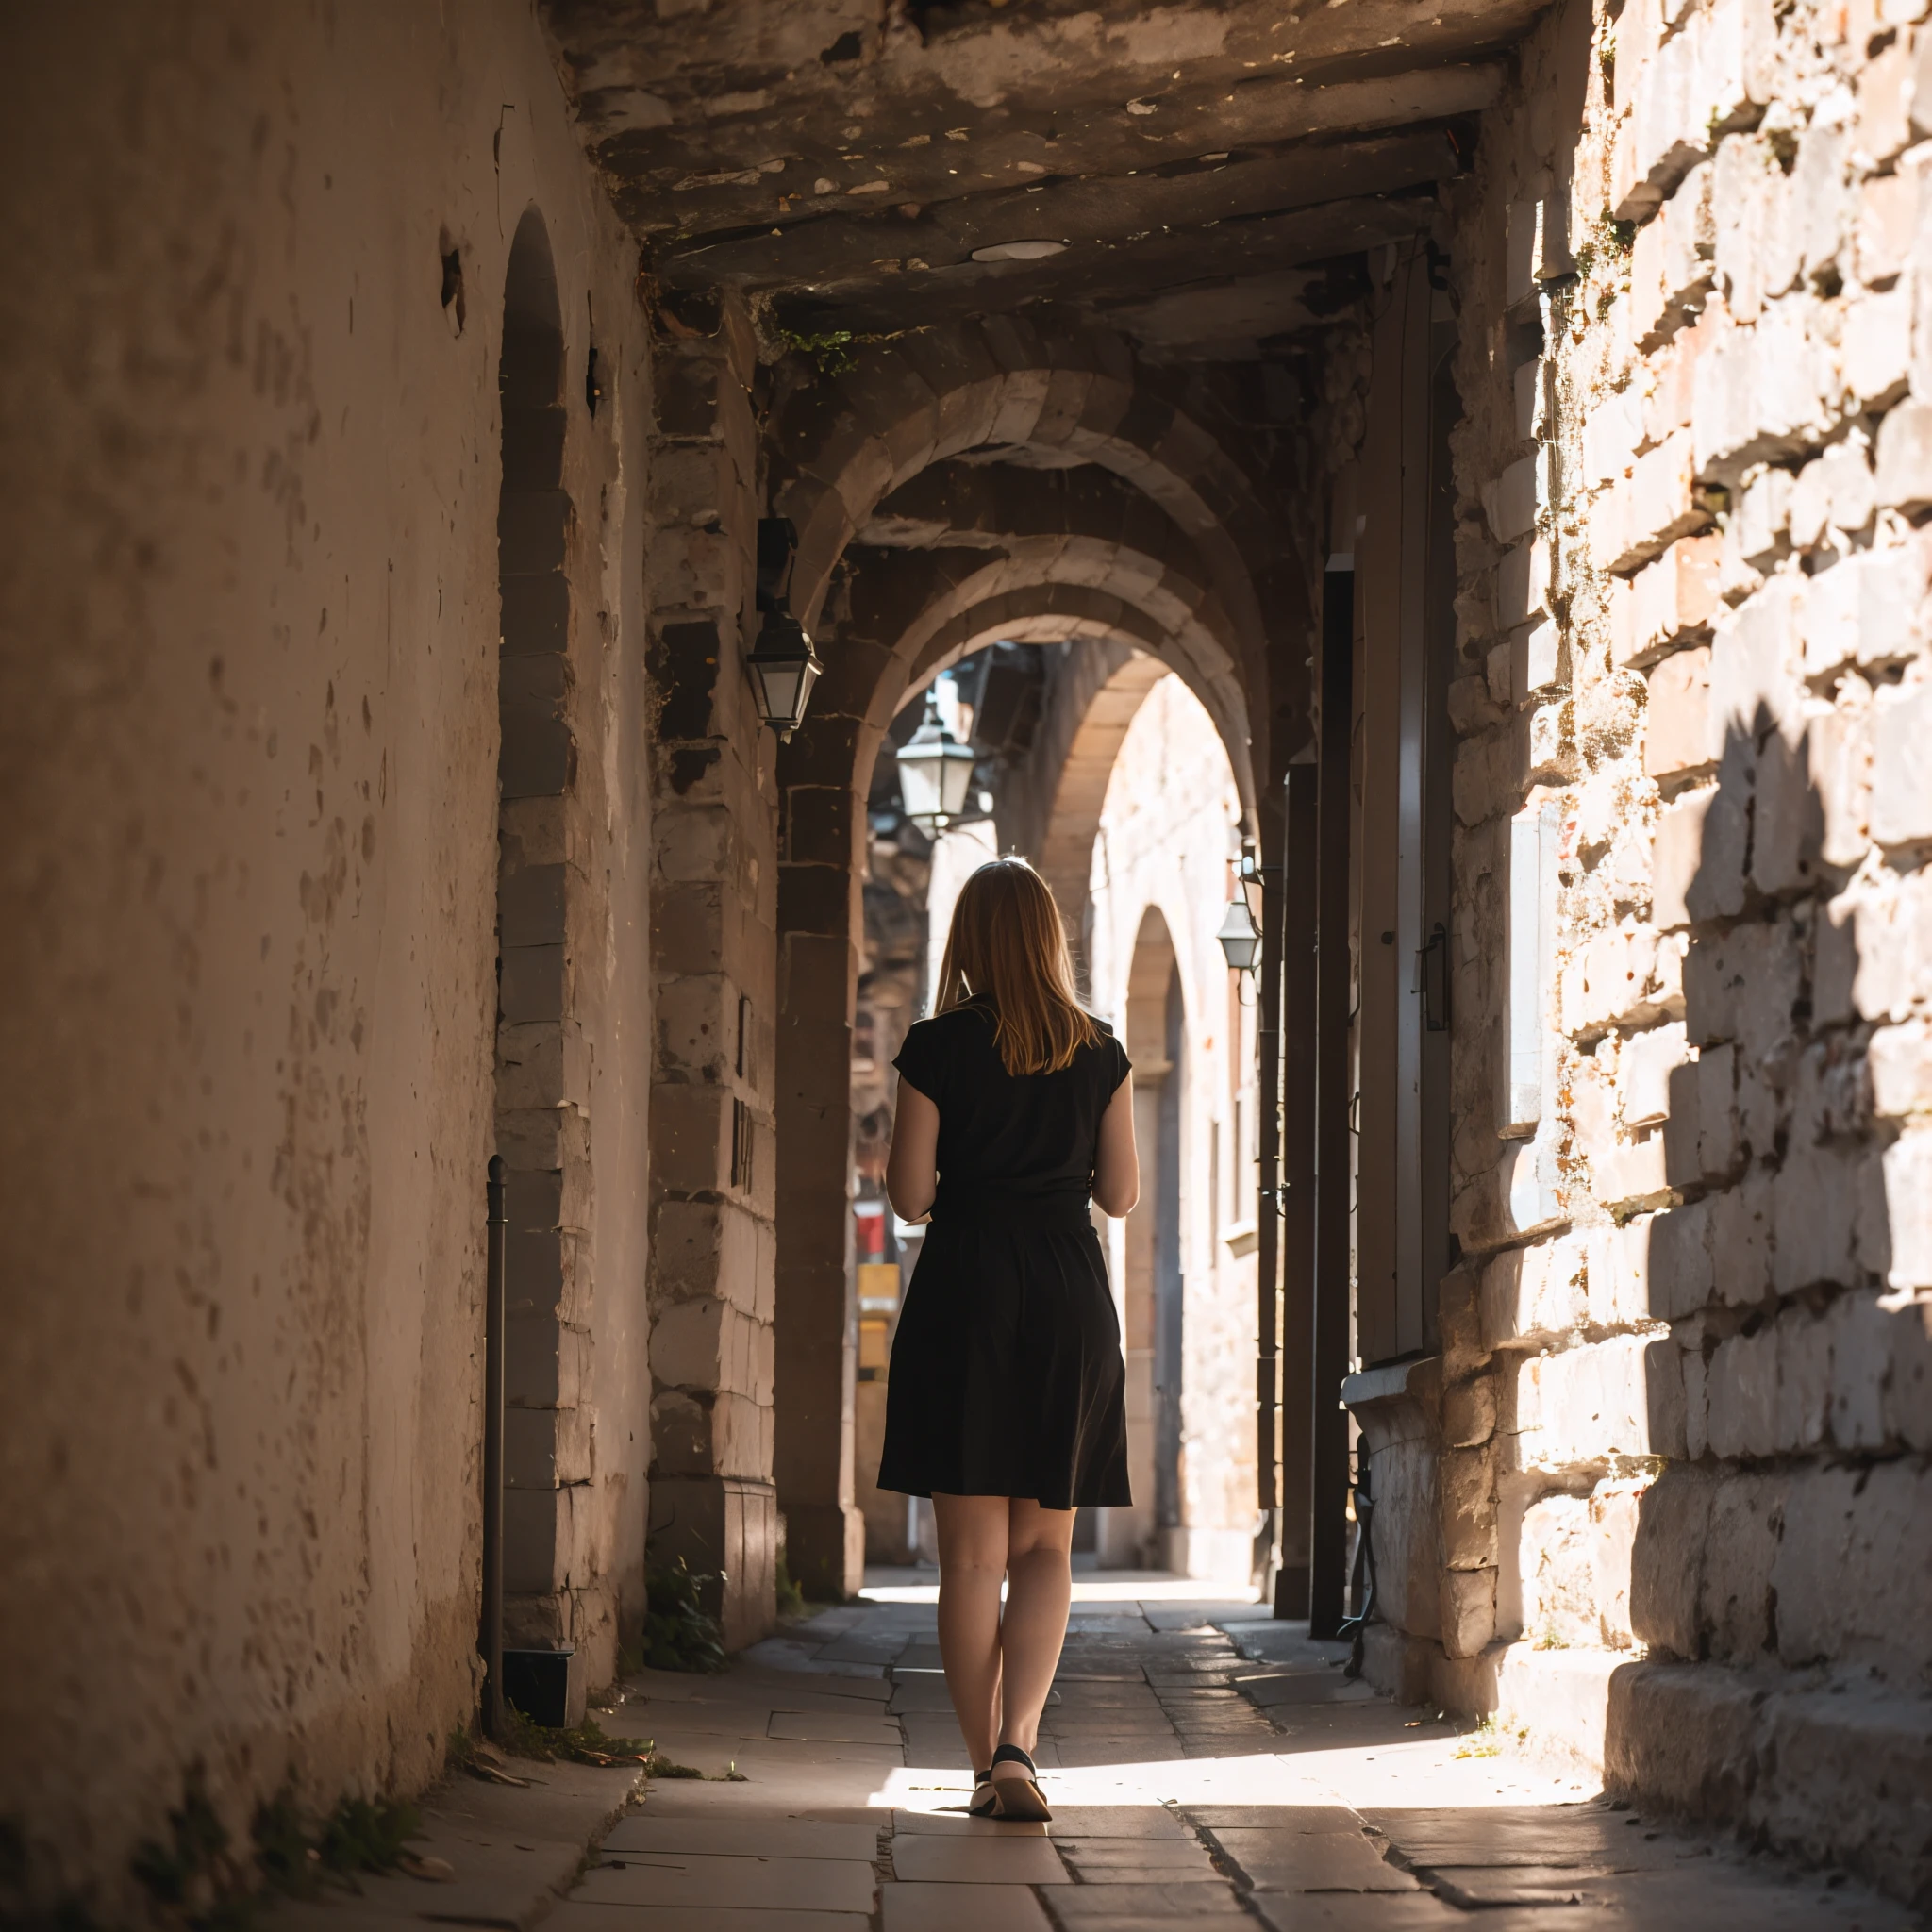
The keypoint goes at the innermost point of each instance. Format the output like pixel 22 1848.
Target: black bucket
pixel 537 1682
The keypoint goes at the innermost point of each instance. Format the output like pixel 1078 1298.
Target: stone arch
pixel 536 769
pixel 841 446
pixel 837 448
pixel 1066 851
pixel 1128 591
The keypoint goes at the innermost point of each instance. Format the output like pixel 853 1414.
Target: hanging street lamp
pixel 935 774
pixel 783 665
pixel 1240 937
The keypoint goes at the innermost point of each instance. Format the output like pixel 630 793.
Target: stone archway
pixel 838 449
pixel 1066 848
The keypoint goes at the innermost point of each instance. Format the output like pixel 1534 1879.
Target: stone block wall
pixel 1684 1413
pixel 713 932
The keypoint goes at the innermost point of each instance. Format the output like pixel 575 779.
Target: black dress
pixel 1006 1377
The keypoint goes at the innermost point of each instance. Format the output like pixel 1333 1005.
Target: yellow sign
pixel 879 1285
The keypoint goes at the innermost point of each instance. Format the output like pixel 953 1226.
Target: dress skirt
pixel 1006 1377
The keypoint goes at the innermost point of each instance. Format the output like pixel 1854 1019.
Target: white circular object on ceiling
pixel 1019 250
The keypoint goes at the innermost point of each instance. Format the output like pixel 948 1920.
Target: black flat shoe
pixel 1018 1798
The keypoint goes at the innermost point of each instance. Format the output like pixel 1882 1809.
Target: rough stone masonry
pixel 1683 1398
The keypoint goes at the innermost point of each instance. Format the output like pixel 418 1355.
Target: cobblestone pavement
pixel 1205 1765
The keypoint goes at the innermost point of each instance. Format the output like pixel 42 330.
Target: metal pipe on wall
pixel 490 1639
pixel 1328 1429
pixel 1296 923
pixel 1268 1219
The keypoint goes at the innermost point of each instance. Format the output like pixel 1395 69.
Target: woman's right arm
pixel 1116 1160
pixel 912 1166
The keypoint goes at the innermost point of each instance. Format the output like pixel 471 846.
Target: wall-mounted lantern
pixel 935 773
pixel 1240 937
pixel 783 665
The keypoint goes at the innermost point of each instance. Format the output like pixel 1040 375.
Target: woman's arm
pixel 1116 1160
pixel 911 1170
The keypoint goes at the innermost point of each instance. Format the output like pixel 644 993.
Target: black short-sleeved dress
pixel 1006 1376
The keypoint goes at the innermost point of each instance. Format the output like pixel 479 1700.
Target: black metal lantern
pixel 1240 937
pixel 935 773
pixel 784 667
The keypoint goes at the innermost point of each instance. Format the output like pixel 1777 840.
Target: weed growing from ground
pixel 678 1636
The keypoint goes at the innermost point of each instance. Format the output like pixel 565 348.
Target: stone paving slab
pixel 686 1878
pixel 1280 1818
pixel 1384 1911
pixel 1302 1687
pixel 956 1823
pixel 920 1908
pixel 824 1727
pixel 1175 1903
pixel 1129 1861
pixel 1314 1861
pixel 758 1836
pixel 977 1860
pixel 574 1917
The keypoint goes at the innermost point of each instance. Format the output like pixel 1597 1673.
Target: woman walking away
pixel 1005 1400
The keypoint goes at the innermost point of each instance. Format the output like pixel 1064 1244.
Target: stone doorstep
pixel 515 1852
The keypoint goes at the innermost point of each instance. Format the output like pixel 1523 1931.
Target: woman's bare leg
pixel 972 1565
pixel 1040 1590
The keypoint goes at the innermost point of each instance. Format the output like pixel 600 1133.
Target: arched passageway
pixel 903 611
pixel 1503 421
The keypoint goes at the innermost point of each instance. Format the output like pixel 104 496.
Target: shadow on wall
pixel 1788 1533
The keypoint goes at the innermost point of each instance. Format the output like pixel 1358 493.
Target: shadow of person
pixel 1780 1565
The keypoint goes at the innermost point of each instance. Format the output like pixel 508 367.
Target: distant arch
pixel 1066 851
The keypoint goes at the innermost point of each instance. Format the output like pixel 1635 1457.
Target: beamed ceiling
pixel 1199 176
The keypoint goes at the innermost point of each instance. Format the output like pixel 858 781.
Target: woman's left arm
pixel 1116 1160
pixel 912 1166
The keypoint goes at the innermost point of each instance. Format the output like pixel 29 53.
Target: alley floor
pixel 1207 1766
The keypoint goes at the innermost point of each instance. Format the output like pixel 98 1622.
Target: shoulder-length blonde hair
pixel 1008 951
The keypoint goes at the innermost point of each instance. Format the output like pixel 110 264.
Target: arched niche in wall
pixel 536 769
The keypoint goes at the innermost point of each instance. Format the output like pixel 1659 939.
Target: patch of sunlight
pixel 1426 1774
pixel 1103 1587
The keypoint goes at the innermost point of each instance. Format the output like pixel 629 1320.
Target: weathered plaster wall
pixel 1166 830
pixel 250 699
pixel 1684 1407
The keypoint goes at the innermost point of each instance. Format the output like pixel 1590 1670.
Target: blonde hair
pixel 1008 951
